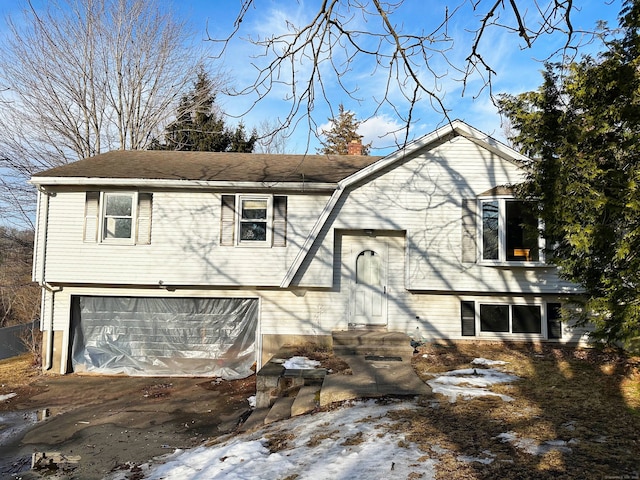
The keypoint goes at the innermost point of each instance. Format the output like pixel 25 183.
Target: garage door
pixel 164 336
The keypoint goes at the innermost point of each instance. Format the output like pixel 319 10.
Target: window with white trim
pixel 118 217
pixel 509 231
pixel 532 320
pixel 118 212
pixel 511 319
pixel 253 220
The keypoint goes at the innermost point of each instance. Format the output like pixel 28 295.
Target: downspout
pixel 49 351
pixel 45 286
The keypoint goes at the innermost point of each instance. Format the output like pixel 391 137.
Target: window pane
pixel 118 205
pixel 490 230
pixel 117 228
pixel 368 268
pixel 522 232
pixel 494 318
pixel 253 231
pixel 526 319
pixel 254 209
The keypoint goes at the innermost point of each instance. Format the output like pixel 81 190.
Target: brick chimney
pixel 355 147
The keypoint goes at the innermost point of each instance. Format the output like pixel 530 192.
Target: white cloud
pixel 382 131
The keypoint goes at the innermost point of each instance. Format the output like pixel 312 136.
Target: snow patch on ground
pixel 301 363
pixel 469 383
pixel 487 362
pixel 468 459
pixel 7 396
pixel 350 442
pixel 252 401
pixel 533 447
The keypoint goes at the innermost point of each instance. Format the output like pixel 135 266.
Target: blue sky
pixel 517 69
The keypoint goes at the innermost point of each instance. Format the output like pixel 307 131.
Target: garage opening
pixel 148 336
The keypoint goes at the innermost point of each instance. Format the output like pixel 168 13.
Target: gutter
pixel 190 184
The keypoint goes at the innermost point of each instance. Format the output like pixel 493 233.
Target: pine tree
pixel 582 130
pixel 200 126
pixel 343 130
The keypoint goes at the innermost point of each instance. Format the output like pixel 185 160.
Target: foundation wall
pixel 56 359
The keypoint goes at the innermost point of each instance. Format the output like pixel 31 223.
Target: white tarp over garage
pixel 150 336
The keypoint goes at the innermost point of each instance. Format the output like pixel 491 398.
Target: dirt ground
pixel 587 401
pixel 110 423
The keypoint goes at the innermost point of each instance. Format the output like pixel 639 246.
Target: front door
pixel 369 300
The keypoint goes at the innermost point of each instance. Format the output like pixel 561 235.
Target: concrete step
pixel 255 420
pixel 305 400
pixel 281 410
pixel 405 351
pixel 357 338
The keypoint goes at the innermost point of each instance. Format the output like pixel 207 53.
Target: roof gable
pixel 141 166
pixel 433 139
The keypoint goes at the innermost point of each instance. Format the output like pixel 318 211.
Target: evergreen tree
pixel 200 126
pixel 344 129
pixel 582 130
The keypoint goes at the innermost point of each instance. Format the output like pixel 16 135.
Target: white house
pixel 156 263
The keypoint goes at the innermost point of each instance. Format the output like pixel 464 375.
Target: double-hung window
pixel 118 215
pixel 509 231
pixel 254 220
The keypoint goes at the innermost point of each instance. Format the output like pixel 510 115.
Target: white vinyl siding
pixel 429 197
pixel 424 317
pixel 185 247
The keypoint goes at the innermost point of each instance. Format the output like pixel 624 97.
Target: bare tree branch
pixel 87 76
pixel 308 58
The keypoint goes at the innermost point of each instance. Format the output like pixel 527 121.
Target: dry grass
pixel 325 356
pixel 279 441
pixel 18 372
pixel 588 398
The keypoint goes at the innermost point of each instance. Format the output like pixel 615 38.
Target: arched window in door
pixel 368 268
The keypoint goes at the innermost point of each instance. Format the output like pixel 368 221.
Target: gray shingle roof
pixel 214 166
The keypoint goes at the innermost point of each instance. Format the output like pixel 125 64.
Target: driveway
pixel 113 423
